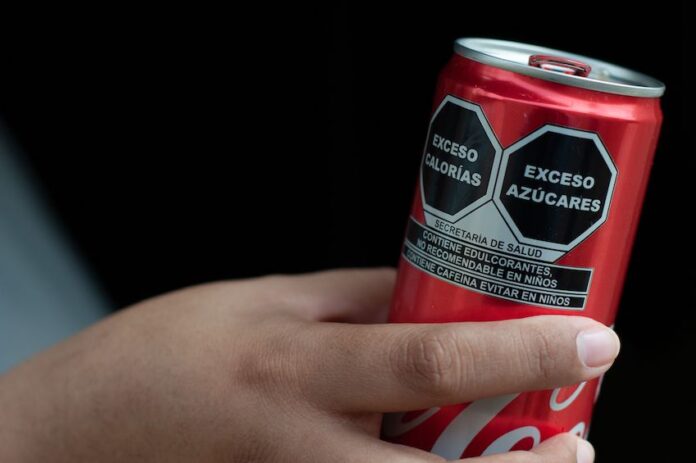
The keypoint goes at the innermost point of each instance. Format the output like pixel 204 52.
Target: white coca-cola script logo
pixel 462 430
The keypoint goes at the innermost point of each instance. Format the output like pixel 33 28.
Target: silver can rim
pixel 614 79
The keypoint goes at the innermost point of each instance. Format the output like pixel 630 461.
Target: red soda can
pixel 529 192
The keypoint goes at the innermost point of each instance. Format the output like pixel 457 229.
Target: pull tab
pixel 559 64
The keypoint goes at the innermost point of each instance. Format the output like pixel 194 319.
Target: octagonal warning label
pixel 460 159
pixel 496 221
pixel 555 187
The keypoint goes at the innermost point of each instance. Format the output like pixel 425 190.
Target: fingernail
pixel 585 452
pixel 597 347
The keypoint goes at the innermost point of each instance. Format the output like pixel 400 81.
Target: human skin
pixel 280 369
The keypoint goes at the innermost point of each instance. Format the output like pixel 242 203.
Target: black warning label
pixel 497 219
pixel 495 273
pixel 555 187
pixel 460 157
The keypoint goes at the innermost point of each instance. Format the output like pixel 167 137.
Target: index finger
pixel 358 295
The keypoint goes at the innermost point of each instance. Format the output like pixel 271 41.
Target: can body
pixel 527 202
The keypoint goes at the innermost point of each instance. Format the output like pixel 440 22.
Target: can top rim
pixel 514 56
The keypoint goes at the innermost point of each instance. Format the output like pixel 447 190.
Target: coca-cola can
pixel 529 192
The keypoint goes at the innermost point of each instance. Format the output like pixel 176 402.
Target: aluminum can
pixel 529 192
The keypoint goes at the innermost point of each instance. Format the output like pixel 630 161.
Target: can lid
pixel 559 66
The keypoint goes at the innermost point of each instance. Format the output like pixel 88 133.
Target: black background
pixel 178 147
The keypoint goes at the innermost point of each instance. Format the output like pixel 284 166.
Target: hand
pixel 279 369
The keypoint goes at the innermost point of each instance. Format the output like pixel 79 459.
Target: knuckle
pixel 428 361
pixel 253 450
pixel 268 363
pixel 540 350
pixel 256 368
